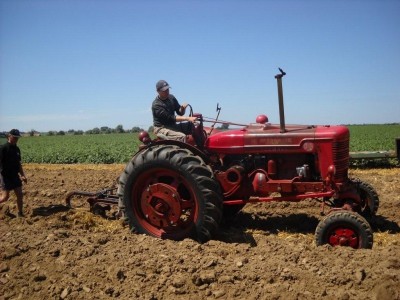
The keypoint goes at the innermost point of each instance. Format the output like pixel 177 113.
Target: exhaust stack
pixel 280 97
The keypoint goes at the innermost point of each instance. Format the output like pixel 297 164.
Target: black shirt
pixel 10 159
pixel 164 111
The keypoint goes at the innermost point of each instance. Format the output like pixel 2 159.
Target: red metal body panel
pixel 324 147
pixel 262 138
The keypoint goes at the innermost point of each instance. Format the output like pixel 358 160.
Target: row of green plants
pixel 119 147
pixel 373 137
pixel 73 149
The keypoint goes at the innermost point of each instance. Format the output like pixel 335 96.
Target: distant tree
pixel 78 132
pixel 151 129
pixel 106 130
pixel 119 129
pixel 61 132
pixel 136 129
pixel 71 131
pixel 96 130
pixel 224 126
pixel 32 132
pixel 51 133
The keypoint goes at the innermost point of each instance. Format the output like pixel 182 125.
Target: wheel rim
pixel 344 236
pixel 164 203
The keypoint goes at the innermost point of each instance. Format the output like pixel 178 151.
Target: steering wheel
pixel 197 129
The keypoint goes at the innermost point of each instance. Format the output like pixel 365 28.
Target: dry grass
pixel 87 220
pixel 385 239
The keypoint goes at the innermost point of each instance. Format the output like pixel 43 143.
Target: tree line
pixel 96 130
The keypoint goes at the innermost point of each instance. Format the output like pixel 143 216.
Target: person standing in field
pixel 164 107
pixel 11 171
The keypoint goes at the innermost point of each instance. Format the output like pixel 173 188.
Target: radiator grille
pixel 341 159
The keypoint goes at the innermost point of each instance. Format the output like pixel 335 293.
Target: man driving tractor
pixel 164 107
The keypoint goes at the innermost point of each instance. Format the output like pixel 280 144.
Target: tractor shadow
pixel 49 210
pixel 240 229
pixel 382 224
pixel 104 211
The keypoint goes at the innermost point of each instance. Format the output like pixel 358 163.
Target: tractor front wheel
pixel 170 193
pixel 369 197
pixel 344 228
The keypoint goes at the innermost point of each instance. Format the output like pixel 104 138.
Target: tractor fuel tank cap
pixel 262 119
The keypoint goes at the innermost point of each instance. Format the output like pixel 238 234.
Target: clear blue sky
pixel 84 64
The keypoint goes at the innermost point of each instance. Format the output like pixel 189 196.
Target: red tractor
pixel 175 190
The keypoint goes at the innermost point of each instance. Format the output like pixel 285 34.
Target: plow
pixel 99 202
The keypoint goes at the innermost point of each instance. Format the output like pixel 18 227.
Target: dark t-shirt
pixel 10 160
pixel 164 111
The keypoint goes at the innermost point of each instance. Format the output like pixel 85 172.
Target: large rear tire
pixel 170 193
pixel 344 228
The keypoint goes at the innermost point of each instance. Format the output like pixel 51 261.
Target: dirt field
pixel 267 253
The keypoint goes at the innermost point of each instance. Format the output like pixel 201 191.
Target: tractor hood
pixel 267 138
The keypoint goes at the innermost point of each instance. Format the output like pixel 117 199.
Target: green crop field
pixel 71 149
pixel 119 147
pixel 373 137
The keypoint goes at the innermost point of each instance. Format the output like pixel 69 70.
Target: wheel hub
pixel 161 205
pixel 344 237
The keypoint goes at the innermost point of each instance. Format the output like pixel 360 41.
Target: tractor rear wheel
pixel 170 193
pixel 344 228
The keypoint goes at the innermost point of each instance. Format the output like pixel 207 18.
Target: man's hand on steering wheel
pixel 192 119
pixel 182 109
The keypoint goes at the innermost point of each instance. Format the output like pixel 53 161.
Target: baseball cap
pixel 15 133
pixel 162 86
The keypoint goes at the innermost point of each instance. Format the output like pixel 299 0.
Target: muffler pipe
pixel 280 98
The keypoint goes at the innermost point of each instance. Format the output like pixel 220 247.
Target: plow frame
pixel 99 201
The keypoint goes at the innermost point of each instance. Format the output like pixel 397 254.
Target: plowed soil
pixel 267 252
